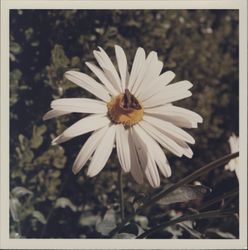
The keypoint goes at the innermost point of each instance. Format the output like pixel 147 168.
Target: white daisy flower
pixel 233 165
pixel 133 111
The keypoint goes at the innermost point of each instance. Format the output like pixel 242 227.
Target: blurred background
pixel 47 200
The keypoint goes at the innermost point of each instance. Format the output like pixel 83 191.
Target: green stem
pixel 231 193
pixel 121 197
pixel 204 215
pixel 205 169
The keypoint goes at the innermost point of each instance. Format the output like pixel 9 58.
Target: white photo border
pixel 6 242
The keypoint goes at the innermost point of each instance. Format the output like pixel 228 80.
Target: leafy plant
pixel 46 200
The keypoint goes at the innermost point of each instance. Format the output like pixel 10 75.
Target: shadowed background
pixel 198 45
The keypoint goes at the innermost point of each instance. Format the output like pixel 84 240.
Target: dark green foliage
pixel 198 45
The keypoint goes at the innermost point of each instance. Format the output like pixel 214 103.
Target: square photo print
pixel 124 124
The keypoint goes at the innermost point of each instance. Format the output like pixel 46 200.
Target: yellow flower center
pixel 125 109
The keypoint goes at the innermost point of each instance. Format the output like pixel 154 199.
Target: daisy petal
pixel 136 171
pixel 109 65
pixel 178 116
pixel 178 86
pixel 162 139
pixel 54 113
pixel 122 65
pixel 139 59
pixel 147 162
pixel 101 76
pixel 169 129
pixel 157 153
pixel 165 78
pixel 151 74
pixel 151 59
pixel 107 71
pixel 102 152
pixel 88 83
pixel 80 105
pixel 158 85
pixel 81 127
pixel 122 146
pixel 170 93
pixel 164 97
pixel 187 150
pixel 88 149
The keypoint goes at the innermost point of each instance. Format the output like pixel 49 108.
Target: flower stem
pixel 204 215
pixel 120 185
pixel 202 171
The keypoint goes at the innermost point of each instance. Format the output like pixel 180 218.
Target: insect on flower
pixel 132 110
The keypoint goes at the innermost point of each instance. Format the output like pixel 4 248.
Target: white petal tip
pixel 139 181
pixel 171 73
pixel 189 84
pixel 156 185
pixel 90 174
pixel 189 156
pixel 126 170
pixel 54 143
pixel 100 48
pixel 74 171
pixel 67 74
pixel 45 117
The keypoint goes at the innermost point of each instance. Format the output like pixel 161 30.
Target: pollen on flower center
pixel 125 109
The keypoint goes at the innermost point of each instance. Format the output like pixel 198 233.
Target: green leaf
pixel 15 77
pixel 65 202
pixel 53 156
pixel 24 152
pixel 39 216
pixel 221 234
pixel 184 193
pixel 59 59
pixel 15 207
pixel 188 226
pixel 125 236
pixel 24 143
pixel 89 219
pixel 200 172
pixel 142 220
pixel 204 215
pixel 19 191
pixel 15 235
pixel 166 191
pixel 108 223
pixel 59 158
pixel 175 231
pixel 37 138
pixel 15 48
